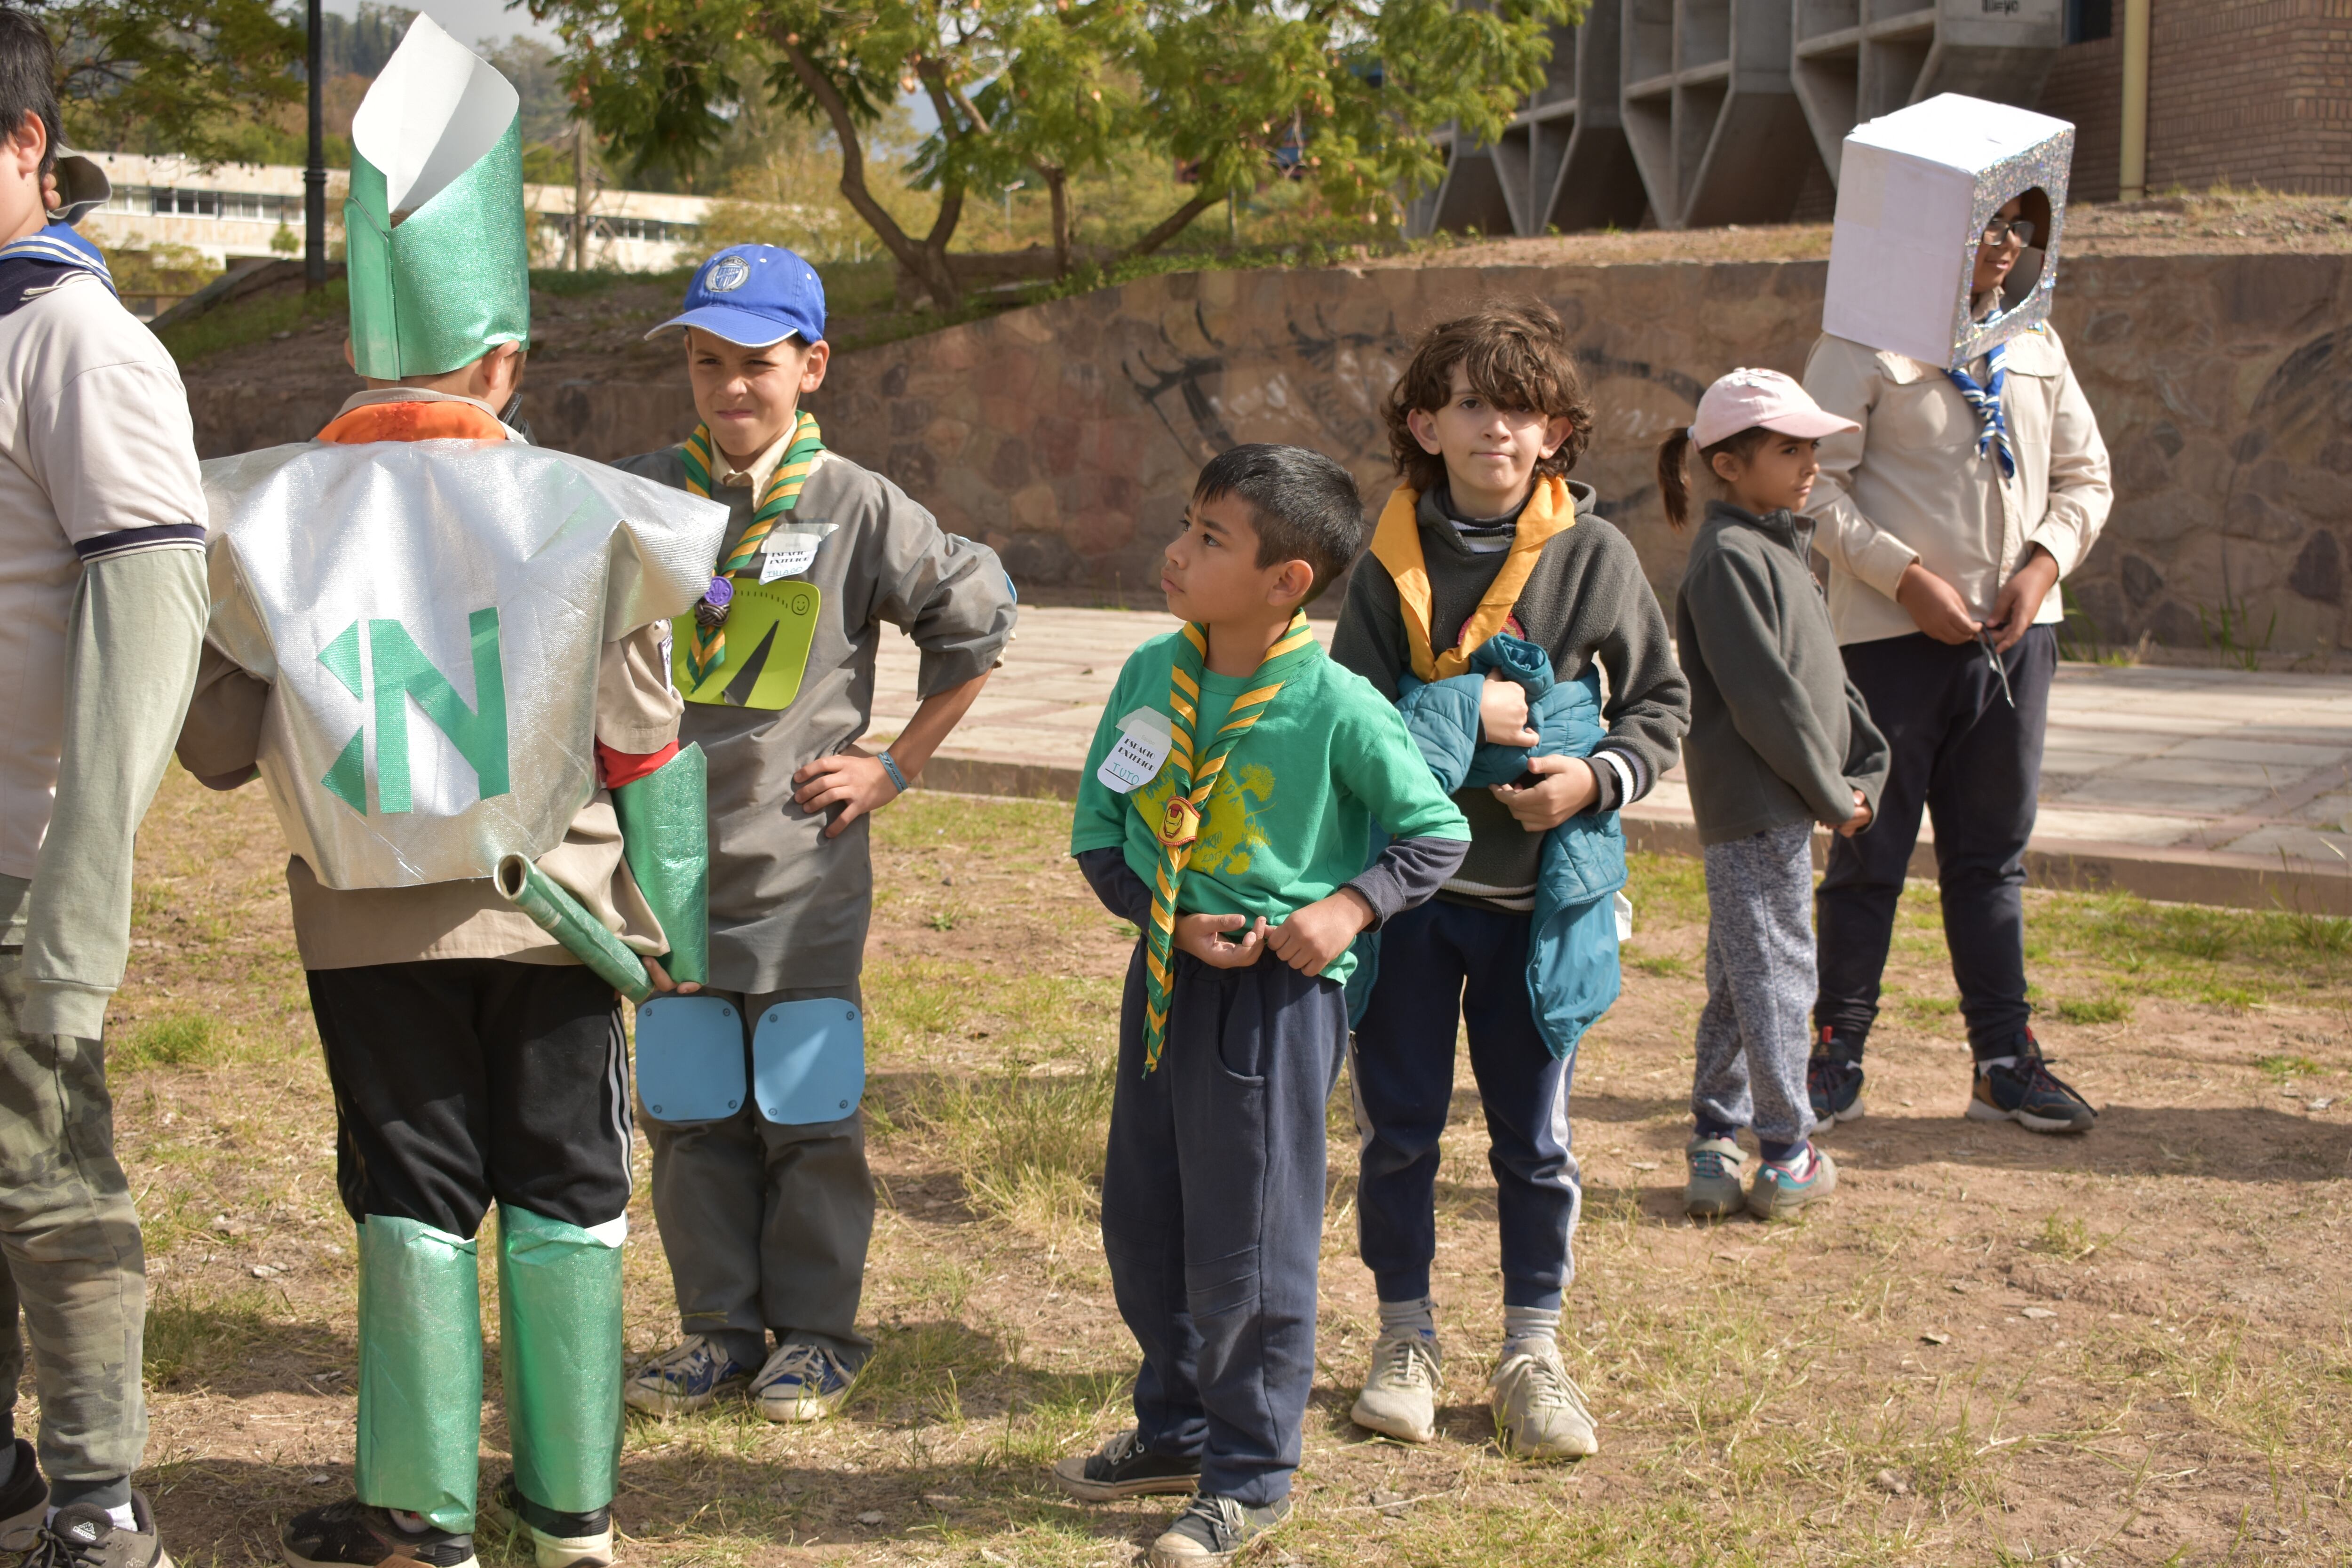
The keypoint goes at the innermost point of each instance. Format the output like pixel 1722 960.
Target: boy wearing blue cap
pixel 765 1210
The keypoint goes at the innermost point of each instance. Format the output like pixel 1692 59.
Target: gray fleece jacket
pixel 1585 600
pixel 1778 733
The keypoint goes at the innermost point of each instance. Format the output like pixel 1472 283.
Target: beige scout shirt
pixel 1910 486
pixel 97 458
pixel 637 713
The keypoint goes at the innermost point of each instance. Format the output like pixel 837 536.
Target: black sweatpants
pixel 1974 764
pixel 1213 1213
pixel 459 1081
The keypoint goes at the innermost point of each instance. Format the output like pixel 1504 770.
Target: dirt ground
pixel 1989 1348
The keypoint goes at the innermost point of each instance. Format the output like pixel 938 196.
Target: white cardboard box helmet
pixel 1915 191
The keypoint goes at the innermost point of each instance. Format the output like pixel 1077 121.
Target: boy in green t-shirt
pixel 1226 805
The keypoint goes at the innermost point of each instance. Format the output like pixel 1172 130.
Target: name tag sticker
pixel 788 555
pixel 1136 756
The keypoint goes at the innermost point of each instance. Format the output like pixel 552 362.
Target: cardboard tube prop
pixel 664 832
pixel 559 914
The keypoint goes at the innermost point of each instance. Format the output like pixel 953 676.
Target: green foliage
pixel 182 76
pixel 2280 1068
pixel 251 322
pixel 2093 1010
pixel 185 1039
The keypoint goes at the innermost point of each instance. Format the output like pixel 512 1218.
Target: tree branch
pixel 1172 225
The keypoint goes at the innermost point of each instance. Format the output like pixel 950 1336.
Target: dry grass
pixel 1990 1348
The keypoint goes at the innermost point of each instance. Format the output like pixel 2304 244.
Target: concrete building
pixel 1734 110
pixel 232 212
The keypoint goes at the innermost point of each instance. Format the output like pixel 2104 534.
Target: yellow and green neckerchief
pixel 1180 820
pixel 782 493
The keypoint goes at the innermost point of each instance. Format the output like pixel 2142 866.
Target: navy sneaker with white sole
pixel 2028 1093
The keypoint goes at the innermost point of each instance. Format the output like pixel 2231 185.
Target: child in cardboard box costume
pixel 1973 480
pixel 445 652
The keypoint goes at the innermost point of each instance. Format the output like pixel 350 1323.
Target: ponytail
pixel 1674 479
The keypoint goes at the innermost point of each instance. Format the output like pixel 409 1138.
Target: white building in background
pixel 230 212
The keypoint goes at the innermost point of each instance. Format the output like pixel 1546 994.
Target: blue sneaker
pixel 802 1383
pixel 2028 1093
pixel 692 1374
pixel 1782 1187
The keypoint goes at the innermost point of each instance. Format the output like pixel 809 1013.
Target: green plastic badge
pixel 436 236
pixel 770 630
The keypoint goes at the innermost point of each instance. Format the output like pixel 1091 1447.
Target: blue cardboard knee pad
pixel 808 1061
pixel 691 1058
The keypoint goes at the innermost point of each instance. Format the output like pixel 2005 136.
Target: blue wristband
pixel 891 766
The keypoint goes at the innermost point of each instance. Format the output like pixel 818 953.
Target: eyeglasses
pixel 1998 231
pixel 2000 671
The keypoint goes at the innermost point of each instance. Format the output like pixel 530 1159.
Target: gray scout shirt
pixel 788 906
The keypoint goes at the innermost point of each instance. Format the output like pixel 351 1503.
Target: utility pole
pixel 314 175
pixel 578 192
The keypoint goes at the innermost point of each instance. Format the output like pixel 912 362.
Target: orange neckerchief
pixel 1396 544
pixel 420 421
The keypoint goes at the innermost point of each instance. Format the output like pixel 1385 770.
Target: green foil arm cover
pixel 666 834
pixel 420 1371
pixel 561 1355
pixel 559 914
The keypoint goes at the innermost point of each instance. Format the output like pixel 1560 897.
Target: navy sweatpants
pixel 1439 963
pixel 1973 763
pixel 1213 1213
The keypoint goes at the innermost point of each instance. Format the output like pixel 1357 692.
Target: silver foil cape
pixel 397 595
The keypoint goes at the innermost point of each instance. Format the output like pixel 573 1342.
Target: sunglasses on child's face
pixel 1998 231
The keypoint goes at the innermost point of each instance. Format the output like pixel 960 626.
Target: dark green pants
pixel 70 1238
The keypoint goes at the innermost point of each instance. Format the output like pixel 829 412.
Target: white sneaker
pixel 692 1374
pixel 801 1383
pixel 1400 1397
pixel 1541 1411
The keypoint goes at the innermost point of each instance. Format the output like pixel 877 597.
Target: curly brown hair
pixel 1515 354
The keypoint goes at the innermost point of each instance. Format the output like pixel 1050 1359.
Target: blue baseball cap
pixel 753 295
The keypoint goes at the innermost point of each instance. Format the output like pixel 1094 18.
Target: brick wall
pixel 2246 92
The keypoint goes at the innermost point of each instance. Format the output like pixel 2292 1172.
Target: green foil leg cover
pixel 666 834
pixel 420 1425
pixel 559 1341
pixel 559 914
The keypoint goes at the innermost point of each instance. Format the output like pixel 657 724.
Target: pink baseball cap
pixel 1747 398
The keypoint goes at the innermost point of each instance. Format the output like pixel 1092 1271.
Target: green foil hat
pixel 439 140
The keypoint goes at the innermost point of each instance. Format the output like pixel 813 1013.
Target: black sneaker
pixel 354 1534
pixel 1124 1468
pixel 1212 1531
pixel 1834 1086
pixel 24 1501
pixel 2028 1093
pixel 83 1535
pixel 559 1540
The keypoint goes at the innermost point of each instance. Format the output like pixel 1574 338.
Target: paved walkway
pixel 2204 785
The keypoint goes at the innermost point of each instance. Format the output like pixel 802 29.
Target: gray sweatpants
pixel 766 1226
pixel 1755 1033
pixel 75 1266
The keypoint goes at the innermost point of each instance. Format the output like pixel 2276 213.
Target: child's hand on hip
pixel 1503 711
pixel 1566 787
pixel 1320 932
pixel 1198 935
pixel 851 780
pixel 1859 820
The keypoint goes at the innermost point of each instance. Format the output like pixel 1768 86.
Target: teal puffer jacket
pixel 1572 974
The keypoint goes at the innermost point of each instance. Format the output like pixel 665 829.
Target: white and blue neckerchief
pixel 1992 423
pixel 38 263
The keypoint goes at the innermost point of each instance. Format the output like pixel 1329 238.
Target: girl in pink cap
pixel 1780 740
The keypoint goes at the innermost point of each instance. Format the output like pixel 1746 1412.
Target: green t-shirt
pixel 1290 818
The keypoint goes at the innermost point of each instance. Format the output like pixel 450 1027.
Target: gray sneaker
pixel 1714 1189
pixel 1400 1397
pixel 82 1535
pixel 1212 1531
pixel 1539 1411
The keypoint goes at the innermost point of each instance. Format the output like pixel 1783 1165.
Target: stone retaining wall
pixel 1066 435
